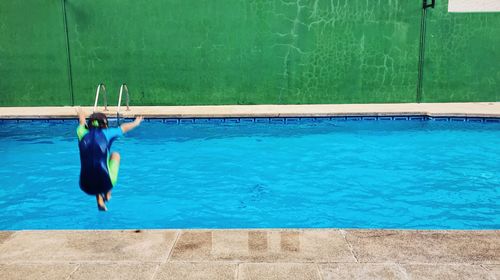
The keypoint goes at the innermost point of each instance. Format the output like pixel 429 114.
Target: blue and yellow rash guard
pixel 98 173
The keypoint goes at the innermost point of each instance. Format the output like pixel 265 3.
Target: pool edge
pixel 484 110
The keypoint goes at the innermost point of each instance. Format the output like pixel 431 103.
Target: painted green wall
pixel 173 52
pixel 462 56
pixel 33 58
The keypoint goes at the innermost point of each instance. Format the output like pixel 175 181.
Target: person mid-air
pixel 99 166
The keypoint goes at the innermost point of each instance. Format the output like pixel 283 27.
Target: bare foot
pixel 108 196
pixel 100 203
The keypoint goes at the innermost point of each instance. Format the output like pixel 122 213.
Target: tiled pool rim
pixel 275 120
pixel 485 110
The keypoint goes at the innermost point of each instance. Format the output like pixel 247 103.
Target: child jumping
pixel 99 167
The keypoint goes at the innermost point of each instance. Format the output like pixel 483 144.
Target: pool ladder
pixel 99 87
pixel 127 100
pixel 123 88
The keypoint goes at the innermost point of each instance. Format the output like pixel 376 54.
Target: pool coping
pixel 481 109
pixel 250 254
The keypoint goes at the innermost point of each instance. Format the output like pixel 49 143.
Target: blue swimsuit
pixel 95 144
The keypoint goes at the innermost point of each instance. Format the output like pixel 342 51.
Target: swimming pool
pixel 261 173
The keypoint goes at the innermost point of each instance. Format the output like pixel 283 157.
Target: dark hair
pixel 97 120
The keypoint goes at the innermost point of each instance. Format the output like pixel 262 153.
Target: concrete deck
pixel 250 254
pixel 430 109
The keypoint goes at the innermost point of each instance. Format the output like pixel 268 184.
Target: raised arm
pixel 81 115
pixel 126 127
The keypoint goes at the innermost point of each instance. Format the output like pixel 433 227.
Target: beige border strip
pixel 223 111
pixel 473 6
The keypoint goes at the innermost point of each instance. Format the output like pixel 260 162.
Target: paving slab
pixel 4 235
pixel 262 246
pixel 362 271
pixel 493 270
pixel 196 271
pixel 250 254
pixel 36 271
pixel 278 271
pixel 113 271
pixel 64 246
pixel 447 272
pixel 407 246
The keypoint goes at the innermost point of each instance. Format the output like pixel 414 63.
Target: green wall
pixel 173 52
pixel 462 56
pixel 33 57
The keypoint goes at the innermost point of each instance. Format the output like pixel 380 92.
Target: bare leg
pixel 100 203
pixel 115 159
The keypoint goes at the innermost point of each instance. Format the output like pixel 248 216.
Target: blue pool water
pixel 351 174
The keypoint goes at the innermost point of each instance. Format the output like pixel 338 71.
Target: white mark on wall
pixel 473 6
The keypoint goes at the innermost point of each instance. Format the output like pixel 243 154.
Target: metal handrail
pixel 127 100
pixel 101 85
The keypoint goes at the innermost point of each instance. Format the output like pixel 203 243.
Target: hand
pixel 126 127
pixel 79 111
pixel 138 120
